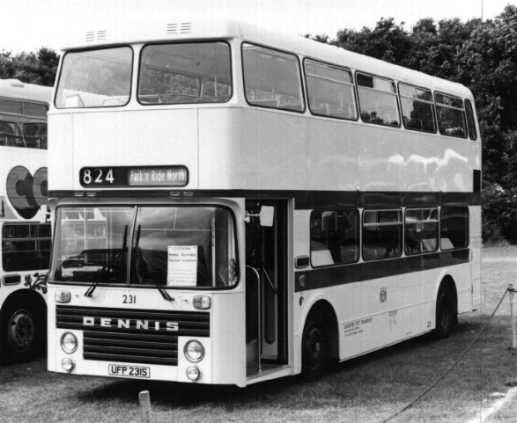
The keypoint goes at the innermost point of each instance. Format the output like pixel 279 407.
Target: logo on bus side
pixel 27 193
pixel 139 324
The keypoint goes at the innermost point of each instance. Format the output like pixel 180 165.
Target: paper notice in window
pixel 181 265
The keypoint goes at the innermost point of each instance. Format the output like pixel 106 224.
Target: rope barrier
pixel 449 369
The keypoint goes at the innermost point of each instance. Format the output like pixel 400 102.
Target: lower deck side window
pixel 334 237
pixel 25 246
pixel 382 234
pixel 454 227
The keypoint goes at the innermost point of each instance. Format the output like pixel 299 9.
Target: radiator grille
pixel 141 338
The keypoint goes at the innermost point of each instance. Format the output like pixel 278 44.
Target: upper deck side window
pixel 377 100
pixel 451 115
pixel 471 120
pixel 272 78
pixel 417 108
pixel 95 78
pixel 330 90
pixel 185 73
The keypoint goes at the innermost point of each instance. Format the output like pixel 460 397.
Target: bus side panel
pixel 475 246
pixel 228 346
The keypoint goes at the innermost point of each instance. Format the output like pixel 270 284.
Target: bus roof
pixel 13 88
pixel 184 30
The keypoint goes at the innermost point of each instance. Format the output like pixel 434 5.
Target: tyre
pixel 445 314
pixel 21 332
pixel 315 348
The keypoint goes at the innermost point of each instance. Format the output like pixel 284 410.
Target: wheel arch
pixel 448 283
pixel 320 304
pixel 28 296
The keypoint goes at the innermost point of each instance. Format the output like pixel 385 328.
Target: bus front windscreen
pixel 95 78
pixel 182 247
pixel 183 73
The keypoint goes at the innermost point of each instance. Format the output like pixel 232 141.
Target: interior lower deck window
pixel 377 100
pixel 10 134
pixel 454 227
pixel 25 246
pixel 421 231
pixel 471 120
pixel 334 237
pixel 451 115
pixel 272 78
pixel 382 234
pixel 417 108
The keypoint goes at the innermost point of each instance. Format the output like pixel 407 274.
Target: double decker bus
pixel 233 206
pixel 24 220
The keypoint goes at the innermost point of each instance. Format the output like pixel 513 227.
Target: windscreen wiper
pixel 93 285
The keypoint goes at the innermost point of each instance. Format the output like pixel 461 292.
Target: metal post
pixel 144 398
pixel 511 293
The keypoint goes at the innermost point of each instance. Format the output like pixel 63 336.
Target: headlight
pixel 194 351
pixel 69 342
pixel 67 364
pixel 193 373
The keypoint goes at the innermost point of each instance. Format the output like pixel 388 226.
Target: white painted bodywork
pixel 10 157
pixel 233 146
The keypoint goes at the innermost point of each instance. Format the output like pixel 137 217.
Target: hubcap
pixel 21 330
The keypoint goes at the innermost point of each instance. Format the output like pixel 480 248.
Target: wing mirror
pixel 266 216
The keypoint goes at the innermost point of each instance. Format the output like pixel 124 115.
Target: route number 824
pixel 97 176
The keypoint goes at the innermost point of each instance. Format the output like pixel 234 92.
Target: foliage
pixel 481 55
pixel 35 68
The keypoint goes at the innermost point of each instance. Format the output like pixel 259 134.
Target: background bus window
pixel 377 100
pixel 272 78
pixel 454 227
pixel 334 237
pixel 330 90
pixel 35 135
pixel 417 108
pixel 10 134
pixel 382 234
pixel 471 121
pixel 451 116
pixel 25 246
pixel 421 231
pixel 185 73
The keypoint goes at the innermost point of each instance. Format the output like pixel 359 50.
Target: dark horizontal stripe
pixel 130 343
pixel 132 313
pixel 303 199
pixel 89 348
pixel 339 275
pixel 131 358
pixel 124 336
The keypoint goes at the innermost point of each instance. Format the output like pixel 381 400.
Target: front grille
pixel 127 335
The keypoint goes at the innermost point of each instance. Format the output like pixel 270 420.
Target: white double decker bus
pixel 234 206
pixel 24 222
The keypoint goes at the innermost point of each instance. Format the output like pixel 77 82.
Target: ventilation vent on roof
pixel 90 36
pixel 172 28
pixel 101 35
pixel 185 27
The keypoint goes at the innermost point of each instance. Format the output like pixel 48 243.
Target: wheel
pixel 445 315
pixel 21 333
pixel 315 348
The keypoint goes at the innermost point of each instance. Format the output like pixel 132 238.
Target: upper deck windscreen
pixel 183 73
pixel 95 78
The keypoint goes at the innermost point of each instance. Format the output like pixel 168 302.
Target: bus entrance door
pixel 266 284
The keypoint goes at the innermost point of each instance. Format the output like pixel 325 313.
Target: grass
pixel 366 389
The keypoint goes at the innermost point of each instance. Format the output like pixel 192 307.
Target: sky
pixel 30 24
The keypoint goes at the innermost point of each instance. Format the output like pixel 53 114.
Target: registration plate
pixel 122 370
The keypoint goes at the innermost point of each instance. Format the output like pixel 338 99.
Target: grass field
pixel 367 389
